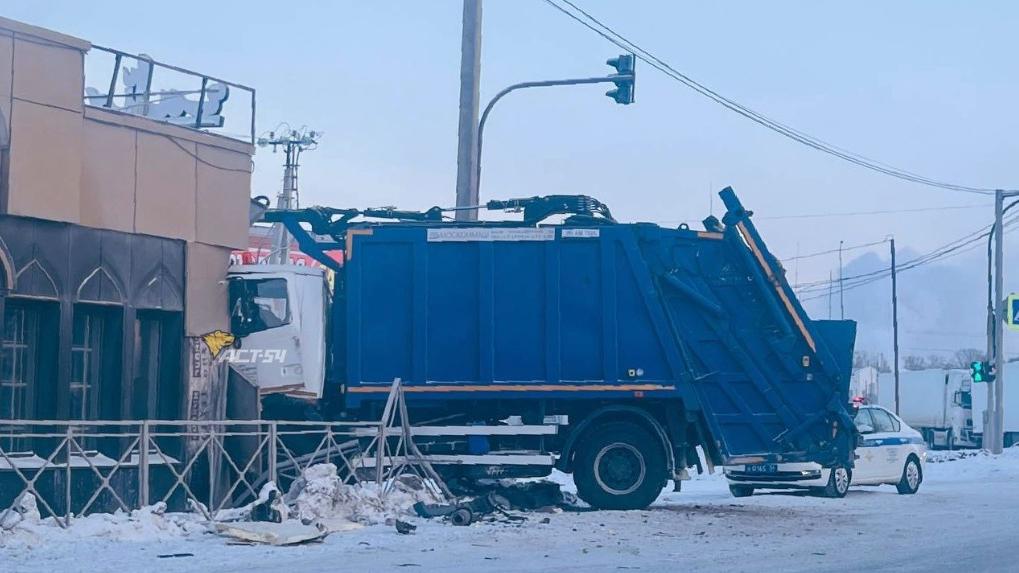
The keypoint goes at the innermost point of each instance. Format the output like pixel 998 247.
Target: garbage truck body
pixel 644 343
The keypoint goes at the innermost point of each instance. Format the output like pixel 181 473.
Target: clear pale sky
pixel 927 86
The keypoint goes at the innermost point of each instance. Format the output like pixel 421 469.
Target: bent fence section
pixel 78 467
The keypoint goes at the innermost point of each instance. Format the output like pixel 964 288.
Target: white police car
pixel 891 453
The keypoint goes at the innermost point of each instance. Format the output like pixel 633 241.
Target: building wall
pixel 67 269
pixel 105 169
pixel 115 237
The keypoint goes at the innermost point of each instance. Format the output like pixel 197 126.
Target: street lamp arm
pixel 524 85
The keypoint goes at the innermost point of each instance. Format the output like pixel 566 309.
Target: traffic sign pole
pixel 996 418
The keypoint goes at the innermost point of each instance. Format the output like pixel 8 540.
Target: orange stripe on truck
pixel 515 388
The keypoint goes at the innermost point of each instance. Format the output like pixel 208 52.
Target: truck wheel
pixel 619 466
pixel 838 482
pixel 741 490
pixel 912 477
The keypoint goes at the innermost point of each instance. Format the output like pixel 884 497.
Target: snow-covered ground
pixel 965 518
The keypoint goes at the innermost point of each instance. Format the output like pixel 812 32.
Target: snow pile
pixel 971 465
pixel 149 523
pixel 319 495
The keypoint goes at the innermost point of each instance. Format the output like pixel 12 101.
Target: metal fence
pixel 139 85
pixel 78 467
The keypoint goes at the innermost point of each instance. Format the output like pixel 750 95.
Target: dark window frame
pixel 98 343
pixel 864 412
pixel 158 358
pixel 879 416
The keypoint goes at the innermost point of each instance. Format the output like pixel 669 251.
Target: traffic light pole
pixel 996 419
pixel 994 315
pixel 513 88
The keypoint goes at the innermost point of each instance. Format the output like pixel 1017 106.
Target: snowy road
pixel 963 519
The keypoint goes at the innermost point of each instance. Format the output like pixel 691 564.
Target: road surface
pixel 963 519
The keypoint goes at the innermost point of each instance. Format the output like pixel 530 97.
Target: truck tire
pixel 912 477
pixel 741 490
pixel 619 465
pixel 839 479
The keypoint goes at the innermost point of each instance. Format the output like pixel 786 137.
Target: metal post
pixel 201 103
pixel 988 418
pixel 997 438
pixel 895 327
pixel 148 84
pixel 272 452
pixel 113 80
pixel 69 437
pixel 143 465
pixel 280 254
pixel 470 85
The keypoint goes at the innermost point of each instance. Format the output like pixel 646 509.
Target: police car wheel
pixel 619 466
pixel 912 477
pixel 838 482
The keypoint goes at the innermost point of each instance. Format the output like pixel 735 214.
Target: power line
pixel 874 212
pixel 844 213
pixel 832 251
pixel 621 41
pixel 965 240
pixel 817 289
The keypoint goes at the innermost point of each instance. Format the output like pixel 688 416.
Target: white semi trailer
pixel 938 403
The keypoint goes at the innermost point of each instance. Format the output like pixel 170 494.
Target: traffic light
pixel 624 78
pixel 981 371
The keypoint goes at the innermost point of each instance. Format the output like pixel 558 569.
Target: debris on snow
pixel 289 532
pixel 269 506
pixel 404 527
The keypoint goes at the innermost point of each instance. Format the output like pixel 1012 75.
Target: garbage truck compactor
pixel 642 342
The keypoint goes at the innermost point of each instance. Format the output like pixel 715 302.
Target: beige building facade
pixel 112 215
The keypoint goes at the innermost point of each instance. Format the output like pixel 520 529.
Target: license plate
pixel 761 468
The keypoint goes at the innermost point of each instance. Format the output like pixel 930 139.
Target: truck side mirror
pixel 240 305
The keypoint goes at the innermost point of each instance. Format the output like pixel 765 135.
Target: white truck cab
pixel 278 315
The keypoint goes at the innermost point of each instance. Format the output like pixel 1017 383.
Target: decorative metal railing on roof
pixel 139 85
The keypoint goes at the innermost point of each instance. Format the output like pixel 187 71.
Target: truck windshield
pixel 258 304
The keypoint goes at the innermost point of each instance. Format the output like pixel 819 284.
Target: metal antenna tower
pixel 293 142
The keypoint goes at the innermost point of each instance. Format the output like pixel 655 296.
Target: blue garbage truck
pixel 642 343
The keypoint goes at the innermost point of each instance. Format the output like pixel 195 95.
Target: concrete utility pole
pixel 997 421
pixel 293 143
pixel 895 327
pixel 470 85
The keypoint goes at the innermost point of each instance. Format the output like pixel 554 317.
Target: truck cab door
pixel 891 447
pixel 278 319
